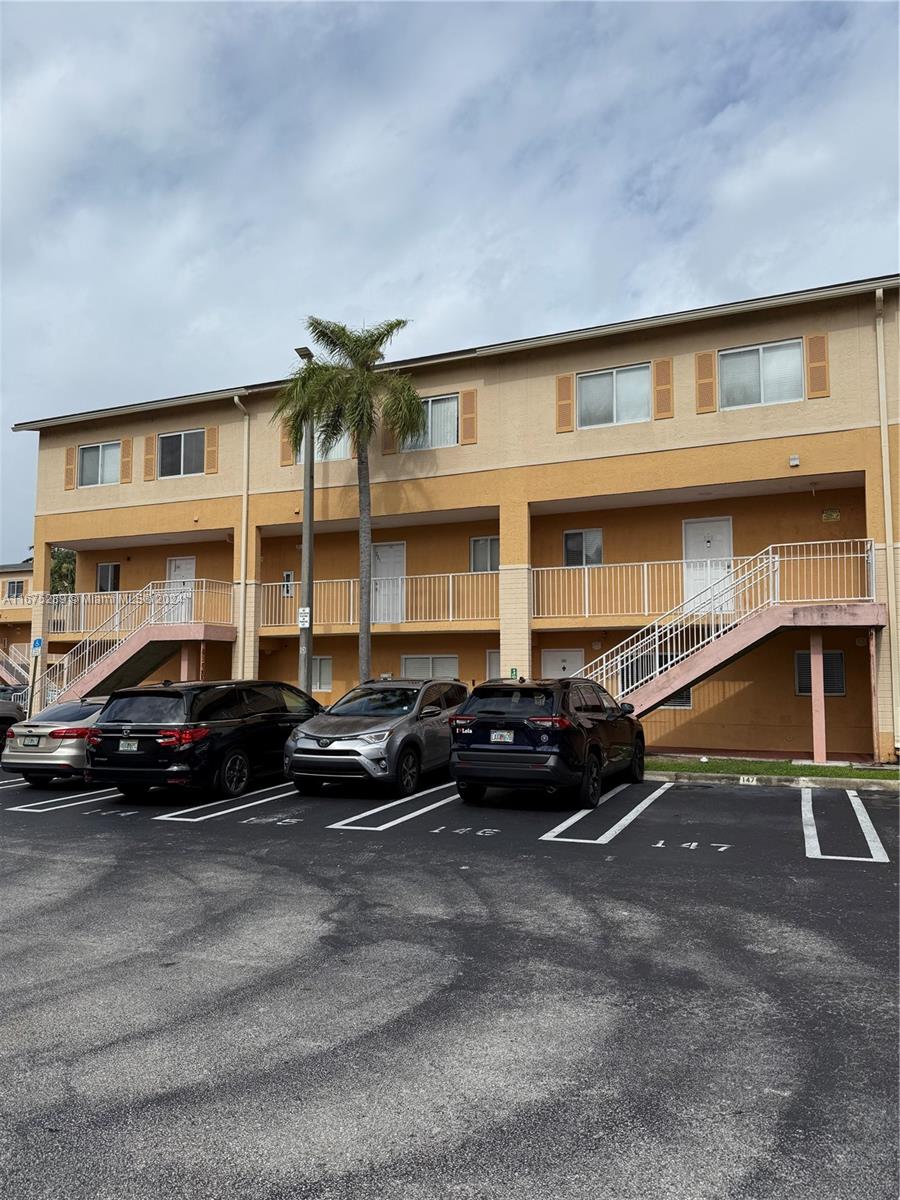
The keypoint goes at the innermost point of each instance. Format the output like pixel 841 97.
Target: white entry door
pixel 180 576
pixel 555 663
pixel 388 570
pixel 708 555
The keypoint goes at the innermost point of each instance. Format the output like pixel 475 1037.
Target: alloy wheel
pixel 235 774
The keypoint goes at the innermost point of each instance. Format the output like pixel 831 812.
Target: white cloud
pixel 182 184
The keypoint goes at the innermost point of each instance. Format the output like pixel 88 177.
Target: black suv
pixel 557 734
pixel 216 735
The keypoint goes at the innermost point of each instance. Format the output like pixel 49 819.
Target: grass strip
pixel 741 766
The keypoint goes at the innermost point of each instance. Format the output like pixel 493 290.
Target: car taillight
pixel 460 722
pixel 10 734
pixel 550 722
pixel 92 737
pixel 75 732
pixel 181 737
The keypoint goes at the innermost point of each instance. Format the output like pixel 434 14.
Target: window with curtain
pixel 617 397
pixel 181 453
pixel 340 449
pixel 321 673
pixel 767 374
pixel 99 464
pixel 484 554
pixel 107 577
pixel 441 424
pixel 583 548
pixel 430 666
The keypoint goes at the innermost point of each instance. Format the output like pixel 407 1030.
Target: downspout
pixel 887 499
pixel 245 524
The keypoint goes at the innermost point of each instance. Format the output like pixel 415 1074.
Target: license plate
pixel 501 735
pixel 123 745
pixel 31 741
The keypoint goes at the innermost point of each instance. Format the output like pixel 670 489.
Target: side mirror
pixel 430 710
pixel 626 708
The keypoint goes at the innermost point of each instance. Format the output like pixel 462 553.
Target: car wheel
pixel 636 771
pixel 133 791
pixel 409 770
pixel 34 780
pixel 471 792
pixel 591 782
pixel 233 775
pixel 308 787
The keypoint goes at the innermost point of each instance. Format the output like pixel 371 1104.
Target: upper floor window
pixel 15 589
pixel 583 547
pixel 99 463
pixel 340 449
pixel 441 424
pixel 617 397
pixel 107 577
pixel 484 554
pixel 769 374
pixel 181 453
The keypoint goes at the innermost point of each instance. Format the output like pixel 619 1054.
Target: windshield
pixel 510 702
pixel 148 709
pixel 67 712
pixel 376 702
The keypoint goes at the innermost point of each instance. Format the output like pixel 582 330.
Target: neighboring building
pixel 570 490
pixel 15 621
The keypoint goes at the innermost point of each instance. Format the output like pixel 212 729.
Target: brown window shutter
pixel 388 441
pixel 70 478
pixel 705 375
pixel 150 457
pixel 286 451
pixel 565 403
pixel 468 417
pixel 817 381
pixel 663 389
pixel 126 454
pixel 211 450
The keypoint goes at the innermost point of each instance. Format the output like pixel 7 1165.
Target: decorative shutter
pixel 150 457
pixel 70 478
pixel 817 381
pixel 663 389
pixel 705 375
pixel 388 441
pixel 565 403
pixel 126 455
pixel 211 450
pixel 468 417
pixel 288 457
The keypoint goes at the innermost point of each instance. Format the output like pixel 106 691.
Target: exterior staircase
pixel 804 584
pixel 138 638
pixel 12 672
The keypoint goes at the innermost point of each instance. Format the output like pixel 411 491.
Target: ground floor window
pixel 321 673
pixel 430 666
pixel 832 668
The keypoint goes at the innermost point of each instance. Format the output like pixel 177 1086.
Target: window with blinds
pixel 832 669
pixel 617 397
pixel 767 374
pixel 441 424
pixel 340 449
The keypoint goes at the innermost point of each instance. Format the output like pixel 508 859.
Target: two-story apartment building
pixel 698 508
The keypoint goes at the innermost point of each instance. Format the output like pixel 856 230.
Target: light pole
pixel 305 664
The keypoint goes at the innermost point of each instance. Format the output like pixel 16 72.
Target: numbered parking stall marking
pixel 877 852
pixel 554 834
pixel 55 803
pixel 350 823
pixel 280 791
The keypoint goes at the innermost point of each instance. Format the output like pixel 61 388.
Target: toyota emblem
pixel 324 741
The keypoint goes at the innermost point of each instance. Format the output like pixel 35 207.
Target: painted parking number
pixel 719 847
pixel 466 829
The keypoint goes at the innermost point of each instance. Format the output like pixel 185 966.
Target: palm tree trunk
pixel 365 563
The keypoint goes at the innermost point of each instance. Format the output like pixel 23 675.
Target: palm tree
pixel 344 392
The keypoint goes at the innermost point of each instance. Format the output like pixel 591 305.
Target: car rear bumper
pixel 21 762
pixel 147 776
pixel 516 769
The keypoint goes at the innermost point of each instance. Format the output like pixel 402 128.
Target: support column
pixel 190 661
pixel 817 696
pixel 515 588
pixel 245 656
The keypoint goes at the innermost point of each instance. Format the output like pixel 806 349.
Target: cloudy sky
pixel 183 183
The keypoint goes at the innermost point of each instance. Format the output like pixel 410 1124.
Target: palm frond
pixel 338 341
pixel 402 410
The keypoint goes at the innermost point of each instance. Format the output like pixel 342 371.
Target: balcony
pixel 470 598
pixel 195 600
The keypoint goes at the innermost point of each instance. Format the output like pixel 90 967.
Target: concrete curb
pixel 890 787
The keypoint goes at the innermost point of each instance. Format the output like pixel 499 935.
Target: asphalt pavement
pixel 689 993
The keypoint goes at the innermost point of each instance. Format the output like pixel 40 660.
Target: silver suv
pixel 387 730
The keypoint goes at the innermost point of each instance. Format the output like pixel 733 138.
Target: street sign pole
pixel 306 563
pixel 36 647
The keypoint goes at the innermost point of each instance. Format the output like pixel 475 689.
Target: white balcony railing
pixel 469 596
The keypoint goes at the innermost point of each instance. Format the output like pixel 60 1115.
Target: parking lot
pixel 687 992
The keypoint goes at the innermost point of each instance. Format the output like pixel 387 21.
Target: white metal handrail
pixel 168 603
pixel 80 612
pixel 795 573
pixel 17 670
pixel 18 652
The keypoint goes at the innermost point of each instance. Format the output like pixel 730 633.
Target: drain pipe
pixel 245 524
pixel 890 570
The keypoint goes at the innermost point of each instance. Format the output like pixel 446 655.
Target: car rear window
pixel 376 702
pixel 510 702
pixel 145 709
pixel 67 712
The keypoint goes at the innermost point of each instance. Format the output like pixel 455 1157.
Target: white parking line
pixel 181 814
pixel 350 822
pixel 553 835
pixel 11 783
pixel 811 834
pixel 52 805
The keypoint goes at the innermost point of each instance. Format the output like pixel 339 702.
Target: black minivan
pixel 209 735
pixel 563 735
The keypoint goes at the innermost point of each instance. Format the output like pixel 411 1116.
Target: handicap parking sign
pixel 36 647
